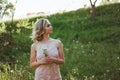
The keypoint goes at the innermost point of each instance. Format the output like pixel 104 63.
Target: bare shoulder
pixel 33 45
pixel 58 42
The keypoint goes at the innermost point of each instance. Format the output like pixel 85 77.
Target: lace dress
pixel 49 71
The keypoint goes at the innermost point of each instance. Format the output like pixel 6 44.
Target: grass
pixel 91 46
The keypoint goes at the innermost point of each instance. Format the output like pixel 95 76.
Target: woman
pixel 46 53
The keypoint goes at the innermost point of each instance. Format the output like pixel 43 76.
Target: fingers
pixel 42 59
pixel 50 59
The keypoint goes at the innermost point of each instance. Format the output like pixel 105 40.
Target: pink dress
pixel 49 71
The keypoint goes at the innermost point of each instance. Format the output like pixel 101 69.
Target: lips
pixel 51 29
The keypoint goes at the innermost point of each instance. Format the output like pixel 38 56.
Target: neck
pixel 46 37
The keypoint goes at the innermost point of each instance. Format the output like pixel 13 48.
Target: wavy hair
pixel 38 29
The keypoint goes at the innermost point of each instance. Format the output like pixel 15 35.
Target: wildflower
pixel 83 51
pixel 11 71
pixel 77 42
pixel 45 52
pixel 93 50
pixel 118 68
pixel 108 70
pixel 92 76
pixel 66 49
pixel 118 57
pixel 81 46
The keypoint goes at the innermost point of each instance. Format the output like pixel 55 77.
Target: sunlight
pixel 24 7
pixel 28 8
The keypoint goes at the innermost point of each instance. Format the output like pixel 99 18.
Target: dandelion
pixel 11 71
pixel 108 70
pixel 118 68
pixel 93 50
pixel 92 77
pixel 118 57
pixel 45 52
pixel 86 78
pixel 77 42
pixel 73 40
pixel 83 51
pixel 81 46
pixel 75 47
pixel 89 42
pixel 66 49
pixel 104 74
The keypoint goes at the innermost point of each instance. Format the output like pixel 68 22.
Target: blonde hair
pixel 38 29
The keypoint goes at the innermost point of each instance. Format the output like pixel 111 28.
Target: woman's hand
pixel 51 59
pixel 42 60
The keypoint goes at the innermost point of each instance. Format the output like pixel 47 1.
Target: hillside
pixel 91 46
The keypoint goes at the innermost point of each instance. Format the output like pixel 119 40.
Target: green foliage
pixel 2 28
pixel 91 46
pixel 18 72
pixel 6 8
pixel 112 10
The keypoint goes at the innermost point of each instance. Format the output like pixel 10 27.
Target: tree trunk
pixel 11 27
pixel 93 8
pixel 93 11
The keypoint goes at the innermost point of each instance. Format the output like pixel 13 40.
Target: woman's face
pixel 48 28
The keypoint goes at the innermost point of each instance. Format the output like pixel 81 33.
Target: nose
pixel 50 26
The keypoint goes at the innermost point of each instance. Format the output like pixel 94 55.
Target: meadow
pixel 91 45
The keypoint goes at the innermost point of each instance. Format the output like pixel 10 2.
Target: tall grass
pixel 91 46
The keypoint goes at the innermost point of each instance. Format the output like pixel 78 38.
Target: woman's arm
pixel 60 58
pixel 34 63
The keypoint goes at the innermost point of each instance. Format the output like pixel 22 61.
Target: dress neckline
pixel 45 42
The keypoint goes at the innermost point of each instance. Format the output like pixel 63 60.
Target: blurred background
pixel 89 30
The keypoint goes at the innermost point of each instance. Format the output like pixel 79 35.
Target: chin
pixel 51 31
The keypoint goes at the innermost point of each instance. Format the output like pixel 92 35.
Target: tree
pixel 93 8
pixel 5 8
pixel 103 2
